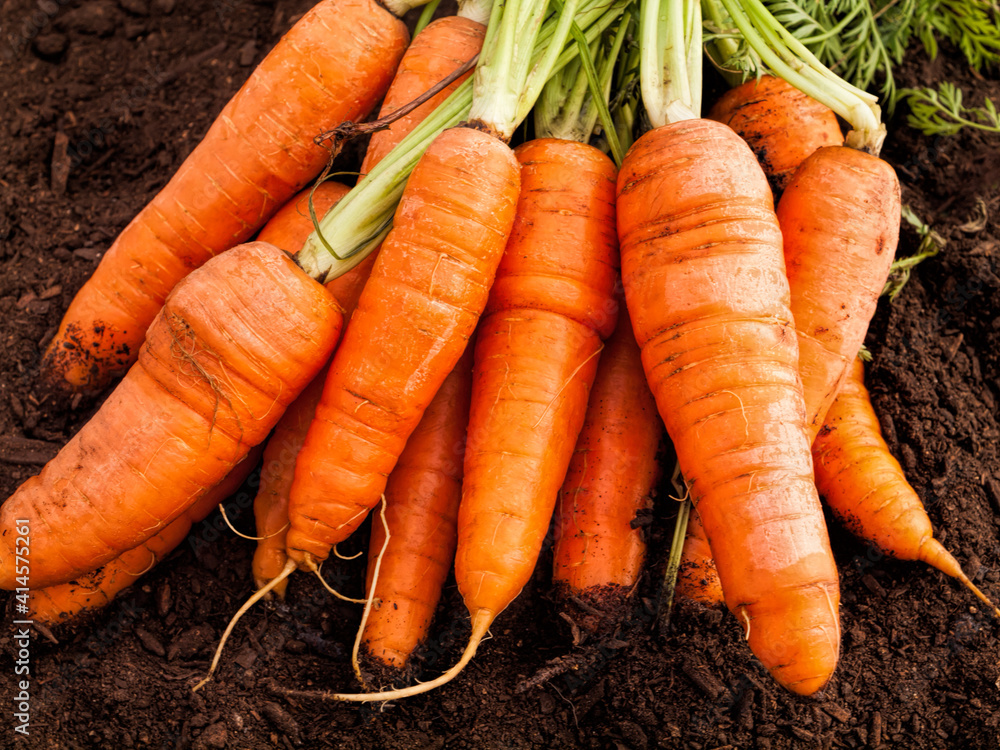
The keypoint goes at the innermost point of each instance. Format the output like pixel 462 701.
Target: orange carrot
pixel 413 320
pixel 421 512
pixel 705 284
pixel 781 125
pixel 437 51
pixel 62 603
pixel 288 230
pixel 333 65
pixel 231 348
pixel 697 578
pixel 536 359
pixel 839 218
pixel 865 487
pixel 271 503
pixel 598 551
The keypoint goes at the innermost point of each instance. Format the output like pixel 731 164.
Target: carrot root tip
pixel 257 596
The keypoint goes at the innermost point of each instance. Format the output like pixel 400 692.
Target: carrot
pixel 781 125
pixel 413 320
pixel 536 359
pixel 437 51
pixel 865 487
pixel 698 580
pixel 442 47
pixel 332 66
pixel 421 512
pixel 839 218
pixel 705 284
pixel 288 230
pixel 231 348
pixel 63 603
pixel 598 552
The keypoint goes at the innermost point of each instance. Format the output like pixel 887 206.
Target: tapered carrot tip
pixel 799 648
pixel 934 554
pixel 481 622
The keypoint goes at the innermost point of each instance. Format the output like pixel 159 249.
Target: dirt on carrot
pixel 918 668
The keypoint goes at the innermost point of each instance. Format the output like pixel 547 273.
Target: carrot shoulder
pixel 537 351
pixel 231 348
pixel 332 66
pixel 421 511
pixel 705 284
pixel 781 125
pixel 598 551
pixel 427 290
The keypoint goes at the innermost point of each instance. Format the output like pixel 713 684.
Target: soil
pixel 103 99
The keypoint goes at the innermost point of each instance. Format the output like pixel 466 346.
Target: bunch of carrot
pixel 739 326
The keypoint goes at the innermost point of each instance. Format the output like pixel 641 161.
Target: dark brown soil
pixel 102 100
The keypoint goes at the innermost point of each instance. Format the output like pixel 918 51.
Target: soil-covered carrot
pixel 333 65
pixel 839 218
pixel 705 285
pixel 866 489
pixel 231 348
pixel 599 550
pixel 421 512
pixel 697 579
pixel 781 125
pixel 60 604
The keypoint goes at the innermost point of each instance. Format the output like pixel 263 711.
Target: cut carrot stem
pixel 865 487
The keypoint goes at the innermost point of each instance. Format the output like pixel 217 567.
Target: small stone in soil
pixel 163 600
pixel 99 17
pixel 282 720
pixel 246 658
pixel 51 45
pixel 247 53
pixel 137 7
pixel 150 641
